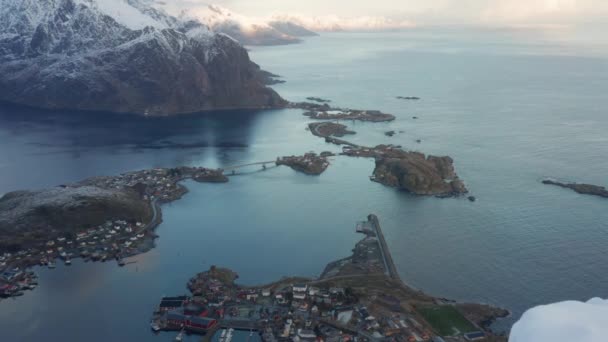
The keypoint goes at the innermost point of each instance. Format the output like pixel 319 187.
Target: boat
pixel 121 262
pixel 51 264
pixel 154 326
pixel 180 336
pixel 229 336
pixel 68 261
pixel 223 333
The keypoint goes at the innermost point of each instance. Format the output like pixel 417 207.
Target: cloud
pixel 431 12
pixel 329 23
pixel 564 321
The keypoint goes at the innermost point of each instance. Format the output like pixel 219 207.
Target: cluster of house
pixel 160 183
pixel 113 239
pixel 297 312
pixel 181 313
pixel 14 281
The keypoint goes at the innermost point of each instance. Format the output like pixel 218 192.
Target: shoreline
pixel 168 189
pixel 370 285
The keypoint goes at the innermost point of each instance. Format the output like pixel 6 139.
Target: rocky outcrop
pixel 78 54
pixel 586 189
pixel 29 217
pixel 413 172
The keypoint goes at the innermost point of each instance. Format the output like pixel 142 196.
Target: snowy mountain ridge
pixel 121 56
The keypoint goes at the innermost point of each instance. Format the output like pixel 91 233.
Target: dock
pixel 389 264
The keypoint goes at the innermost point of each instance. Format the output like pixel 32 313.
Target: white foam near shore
pixel 564 321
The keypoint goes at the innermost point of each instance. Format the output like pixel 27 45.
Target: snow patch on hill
pixel 124 13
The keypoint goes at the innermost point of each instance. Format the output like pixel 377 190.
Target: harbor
pixel 356 298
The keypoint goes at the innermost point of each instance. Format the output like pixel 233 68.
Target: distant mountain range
pixel 122 56
pixel 248 31
pixel 278 29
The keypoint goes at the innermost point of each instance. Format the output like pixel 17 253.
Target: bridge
pixel 234 168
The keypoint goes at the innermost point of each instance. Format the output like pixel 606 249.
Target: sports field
pixel 446 320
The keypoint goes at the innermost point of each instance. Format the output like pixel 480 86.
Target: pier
pixel 389 264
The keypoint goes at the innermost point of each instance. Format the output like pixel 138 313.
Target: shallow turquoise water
pixel 510 110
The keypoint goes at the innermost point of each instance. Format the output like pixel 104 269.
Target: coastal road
pixel 152 224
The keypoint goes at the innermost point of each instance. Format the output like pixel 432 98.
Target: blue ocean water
pixel 510 108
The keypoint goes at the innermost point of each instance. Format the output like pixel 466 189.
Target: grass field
pixel 446 320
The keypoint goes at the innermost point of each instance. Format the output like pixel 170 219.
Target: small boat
pixel 180 336
pixel 121 262
pixel 223 333
pixel 155 327
pixel 68 261
pixel 51 265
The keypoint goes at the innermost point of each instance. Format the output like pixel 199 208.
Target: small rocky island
pixel 585 189
pixel 360 297
pixel 318 99
pixel 326 112
pixel 410 171
pixel 418 174
pixel 309 163
pixel 327 129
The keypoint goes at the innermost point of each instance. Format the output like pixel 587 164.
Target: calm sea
pixel 511 108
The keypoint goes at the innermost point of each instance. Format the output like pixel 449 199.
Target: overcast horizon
pixel 526 13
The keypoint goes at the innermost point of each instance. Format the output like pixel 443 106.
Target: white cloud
pixel 471 12
pixel 328 23
pixel 564 322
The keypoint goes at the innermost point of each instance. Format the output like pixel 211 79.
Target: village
pixel 355 299
pixel 111 241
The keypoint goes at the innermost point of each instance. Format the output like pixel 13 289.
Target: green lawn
pixel 445 319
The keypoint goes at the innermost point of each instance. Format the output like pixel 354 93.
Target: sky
pixel 523 13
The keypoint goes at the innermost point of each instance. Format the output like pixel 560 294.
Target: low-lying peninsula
pixel 359 297
pixel 585 189
pixel 99 219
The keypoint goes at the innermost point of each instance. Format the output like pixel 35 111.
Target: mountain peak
pixel 121 56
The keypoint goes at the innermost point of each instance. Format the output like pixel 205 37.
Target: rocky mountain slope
pixel 121 56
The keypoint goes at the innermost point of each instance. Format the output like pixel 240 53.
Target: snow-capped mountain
pixel 247 30
pixel 121 56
